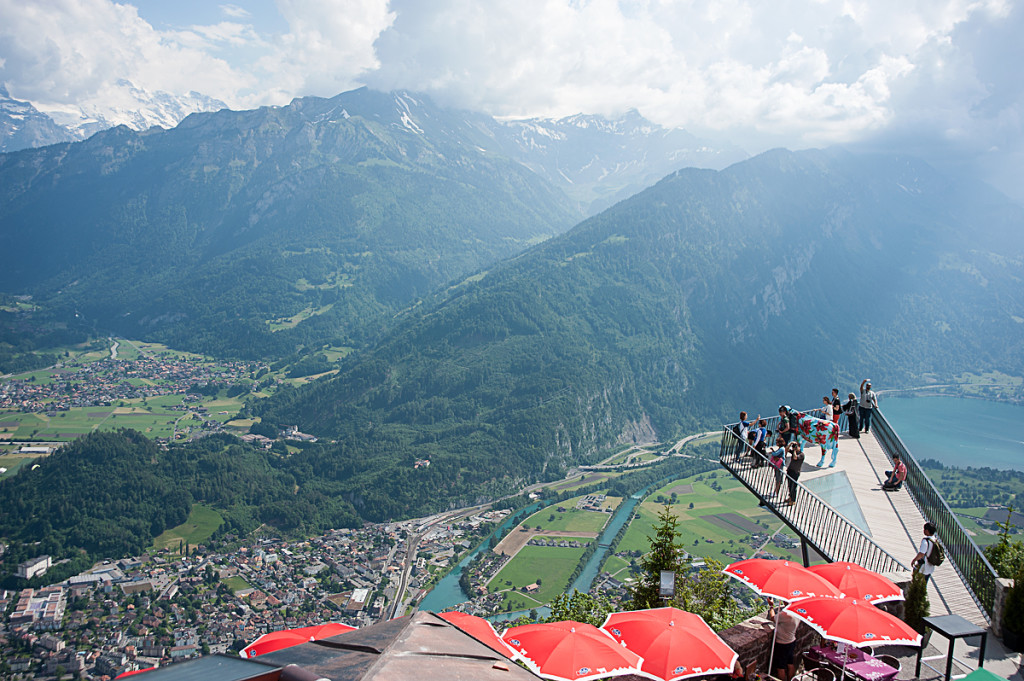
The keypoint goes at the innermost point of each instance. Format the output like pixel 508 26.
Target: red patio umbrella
pixel 571 651
pixel 674 644
pixel 854 622
pixel 780 579
pixel 480 629
pixel 859 582
pixel 286 638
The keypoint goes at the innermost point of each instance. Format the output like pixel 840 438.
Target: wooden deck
pixel 893 519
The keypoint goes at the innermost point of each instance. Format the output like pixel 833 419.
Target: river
pixel 958 431
pixel 447 594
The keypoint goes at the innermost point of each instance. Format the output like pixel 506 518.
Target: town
pixel 150 610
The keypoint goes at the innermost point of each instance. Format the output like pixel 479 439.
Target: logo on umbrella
pixel 617 632
pixel 679 670
pixel 869 635
pixel 583 671
pixel 514 641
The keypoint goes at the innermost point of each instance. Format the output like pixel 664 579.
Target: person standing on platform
pixel 837 406
pixel 852 420
pixel 921 562
pixel 796 463
pixel 783 659
pixel 785 428
pixel 868 404
pixel 777 460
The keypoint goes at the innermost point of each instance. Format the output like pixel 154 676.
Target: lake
pixel 958 431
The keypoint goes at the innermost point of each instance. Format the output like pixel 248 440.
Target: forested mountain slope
pixel 768 282
pixel 327 213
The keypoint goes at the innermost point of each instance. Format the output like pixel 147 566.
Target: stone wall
pixel 1002 586
pixel 752 641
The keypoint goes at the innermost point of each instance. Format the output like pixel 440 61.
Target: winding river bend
pixel 448 594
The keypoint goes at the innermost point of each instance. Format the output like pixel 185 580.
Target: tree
pixel 707 593
pixel 666 554
pixel 580 607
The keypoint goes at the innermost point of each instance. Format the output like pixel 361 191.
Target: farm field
pixel 46 405
pixel 709 520
pixel 201 523
pixel 551 565
pixel 571 519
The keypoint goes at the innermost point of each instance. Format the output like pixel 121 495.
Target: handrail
pixel 811 517
pixel 970 563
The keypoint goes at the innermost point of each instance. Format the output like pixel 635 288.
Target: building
pixel 34 567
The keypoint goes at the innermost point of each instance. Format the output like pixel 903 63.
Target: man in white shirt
pixel 868 404
pixel 920 561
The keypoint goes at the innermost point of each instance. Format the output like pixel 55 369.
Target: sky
pixel 941 79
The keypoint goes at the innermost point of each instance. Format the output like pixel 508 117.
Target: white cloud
pixel 64 51
pixel 234 11
pixel 327 47
pixel 788 72
pixel 801 73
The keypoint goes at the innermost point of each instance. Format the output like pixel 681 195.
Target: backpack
pixel 936 555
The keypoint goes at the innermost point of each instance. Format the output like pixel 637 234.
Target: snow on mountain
pixel 135 107
pixel 22 126
pixel 121 104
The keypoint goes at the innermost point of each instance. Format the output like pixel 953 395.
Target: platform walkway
pixel 893 520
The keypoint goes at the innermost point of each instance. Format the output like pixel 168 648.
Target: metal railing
pixel 813 519
pixel 970 563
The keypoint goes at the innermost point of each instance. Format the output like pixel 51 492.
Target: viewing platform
pixel 842 513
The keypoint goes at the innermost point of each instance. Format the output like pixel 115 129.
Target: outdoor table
pixel 952 627
pixel 855 661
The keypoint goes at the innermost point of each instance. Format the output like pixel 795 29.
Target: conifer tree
pixel 666 554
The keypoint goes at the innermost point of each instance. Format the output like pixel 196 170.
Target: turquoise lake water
pixel 959 432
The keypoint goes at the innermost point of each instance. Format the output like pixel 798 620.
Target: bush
pixel 917 606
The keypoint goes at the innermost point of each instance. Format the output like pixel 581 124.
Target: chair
pixel 890 660
pixel 817 674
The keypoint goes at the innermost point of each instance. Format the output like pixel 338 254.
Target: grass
pixel 552 565
pixel 153 416
pixel 570 520
pixel 237 584
pixel 293 321
pixel 12 464
pixel 201 523
pixel 694 531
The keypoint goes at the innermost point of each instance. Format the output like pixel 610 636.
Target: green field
pixel 695 531
pixel 153 416
pixel 552 565
pixel 571 519
pixel 12 463
pixel 201 523
pixel 237 584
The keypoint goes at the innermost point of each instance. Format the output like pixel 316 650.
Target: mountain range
pixel 496 330
pixel 323 217
pixel 768 282
pixel 23 126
